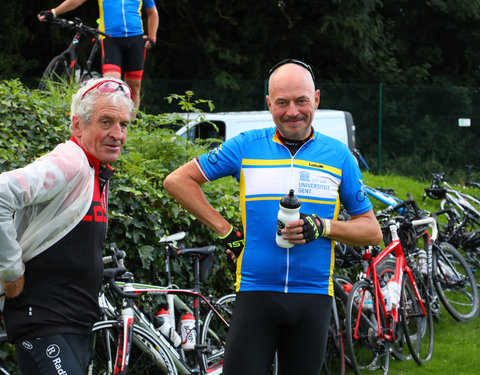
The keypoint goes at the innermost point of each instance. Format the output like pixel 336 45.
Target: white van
pixel 336 124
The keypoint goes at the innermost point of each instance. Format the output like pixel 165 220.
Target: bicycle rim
pixel 214 335
pixel 417 325
pixel 455 284
pixel 56 71
pixel 147 356
pixel 341 297
pixel 334 362
pixel 367 350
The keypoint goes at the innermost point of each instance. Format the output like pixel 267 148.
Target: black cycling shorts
pixel 55 355
pixel 124 55
pixel 293 324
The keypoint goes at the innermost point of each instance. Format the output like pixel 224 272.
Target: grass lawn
pixel 456 344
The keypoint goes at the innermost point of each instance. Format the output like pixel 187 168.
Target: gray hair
pixel 84 106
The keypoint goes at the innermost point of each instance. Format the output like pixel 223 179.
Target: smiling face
pixel 292 100
pixel 105 136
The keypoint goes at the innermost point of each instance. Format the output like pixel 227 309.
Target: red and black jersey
pixel 62 283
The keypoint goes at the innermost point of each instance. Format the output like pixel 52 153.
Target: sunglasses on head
pixel 291 61
pixel 109 86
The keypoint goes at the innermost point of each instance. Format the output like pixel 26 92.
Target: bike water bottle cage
pixel 436 192
pixel 109 86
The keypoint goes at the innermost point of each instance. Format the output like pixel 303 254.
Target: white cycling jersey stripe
pixel 275 182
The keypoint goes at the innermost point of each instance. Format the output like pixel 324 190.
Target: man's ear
pixel 269 104
pixel 76 126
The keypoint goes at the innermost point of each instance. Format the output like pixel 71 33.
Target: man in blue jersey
pixel 284 295
pixel 53 224
pixel 123 53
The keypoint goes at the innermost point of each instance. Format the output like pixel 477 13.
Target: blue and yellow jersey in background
pixel 322 173
pixel 122 18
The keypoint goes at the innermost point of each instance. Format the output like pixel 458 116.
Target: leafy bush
pixel 140 210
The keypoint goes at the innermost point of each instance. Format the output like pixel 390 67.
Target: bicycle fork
pixel 126 336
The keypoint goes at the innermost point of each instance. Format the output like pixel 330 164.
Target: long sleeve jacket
pixel 40 204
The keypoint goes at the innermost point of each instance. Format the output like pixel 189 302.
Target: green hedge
pixel 140 210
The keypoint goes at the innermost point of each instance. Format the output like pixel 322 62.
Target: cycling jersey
pixel 62 281
pixel 323 173
pixel 122 18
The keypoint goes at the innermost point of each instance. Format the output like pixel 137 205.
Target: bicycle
pixel 381 315
pixel 65 67
pixel 3 369
pixel 460 204
pixel 468 181
pixel 127 341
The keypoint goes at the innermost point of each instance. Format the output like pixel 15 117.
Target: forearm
pixel 359 231
pixel 67 6
pixel 184 185
pixel 152 23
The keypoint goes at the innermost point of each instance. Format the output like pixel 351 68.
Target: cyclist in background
pixel 53 224
pixel 284 296
pixel 123 53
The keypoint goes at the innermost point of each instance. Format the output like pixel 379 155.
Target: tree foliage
pixel 390 41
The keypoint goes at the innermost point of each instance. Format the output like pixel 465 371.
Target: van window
pixel 205 130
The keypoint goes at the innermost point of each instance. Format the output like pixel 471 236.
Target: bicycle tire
pixel 417 325
pixel 147 357
pixel 334 361
pixel 341 297
pixel 57 70
pixel 367 350
pixel 455 284
pixel 214 334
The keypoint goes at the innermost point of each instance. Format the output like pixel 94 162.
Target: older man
pixel 284 296
pixel 53 223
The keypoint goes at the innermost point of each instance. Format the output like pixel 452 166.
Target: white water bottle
pixel 189 335
pixel 386 295
pixel 163 325
pixel 394 292
pixel 422 261
pixel 289 211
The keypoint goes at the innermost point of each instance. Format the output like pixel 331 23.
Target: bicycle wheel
pixel 417 325
pixel 57 71
pixel 455 284
pixel 367 350
pixel 147 357
pixel 334 362
pixel 214 334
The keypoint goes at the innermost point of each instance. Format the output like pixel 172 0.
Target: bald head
pixel 292 100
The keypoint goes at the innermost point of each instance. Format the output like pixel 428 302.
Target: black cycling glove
pixel 234 241
pixel 48 14
pixel 313 227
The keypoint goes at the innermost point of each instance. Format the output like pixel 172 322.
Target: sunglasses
pixel 109 86
pixel 291 61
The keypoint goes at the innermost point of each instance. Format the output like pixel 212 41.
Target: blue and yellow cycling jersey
pixel 323 174
pixel 122 18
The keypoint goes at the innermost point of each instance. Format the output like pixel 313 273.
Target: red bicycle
pixel 389 310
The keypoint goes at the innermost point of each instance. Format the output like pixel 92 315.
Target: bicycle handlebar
pixel 79 26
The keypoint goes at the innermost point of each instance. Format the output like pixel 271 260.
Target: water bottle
pixel 394 292
pixel 422 261
pixel 386 295
pixel 187 328
pixel 289 211
pixel 162 323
